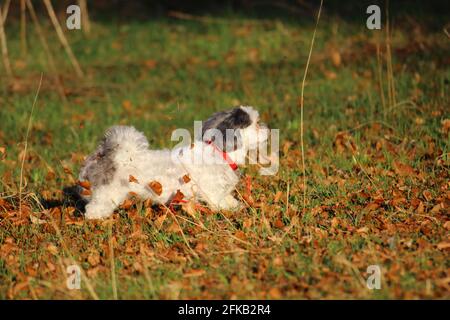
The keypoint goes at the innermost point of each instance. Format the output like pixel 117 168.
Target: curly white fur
pixel 125 152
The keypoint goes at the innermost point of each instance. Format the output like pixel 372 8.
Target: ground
pixel 376 142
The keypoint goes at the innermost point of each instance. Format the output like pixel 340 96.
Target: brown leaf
pixel 335 58
pixel 372 206
pixel 2 152
pixel 52 249
pixel 159 221
pixel 126 104
pixel 194 273
pixel 127 204
pixel 427 195
pixel 51 175
pixel 85 184
pixel 437 208
pixel 279 224
pixel 150 63
pixel 421 208
pixel 174 228
pixel 445 126
pixel 278 196
pixel 186 178
pixel 178 196
pixel 275 293
pixel 403 169
pixel 156 187
pixel 94 258
pixel 132 179
pixel 247 223
pixel 86 192
pixel 443 245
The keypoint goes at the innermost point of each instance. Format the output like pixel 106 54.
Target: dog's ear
pixel 99 167
pixel 233 120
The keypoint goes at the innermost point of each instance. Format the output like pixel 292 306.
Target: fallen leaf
pixel 427 195
pixel 132 179
pixel 278 196
pixel 126 104
pixel 447 225
pixel 85 184
pixel 443 245
pixel 156 187
pixel 94 258
pixel 52 249
pixel 403 169
pixel 150 63
pixel 160 220
pixel 86 192
pixel 178 196
pixel 335 58
pixel 126 204
pixel 194 273
pixel 437 208
pixel 174 228
pixel 275 293
pixel 363 230
pixel 186 178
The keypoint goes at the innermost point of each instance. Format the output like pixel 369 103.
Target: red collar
pixel 225 156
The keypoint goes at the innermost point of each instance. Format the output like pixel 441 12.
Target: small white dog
pixel 123 164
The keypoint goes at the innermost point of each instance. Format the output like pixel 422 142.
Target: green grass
pixel 173 72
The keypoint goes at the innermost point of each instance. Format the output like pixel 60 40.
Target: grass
pixel 378 187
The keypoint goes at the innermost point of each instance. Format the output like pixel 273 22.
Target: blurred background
pixel 376 138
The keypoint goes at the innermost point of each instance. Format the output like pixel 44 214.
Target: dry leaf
pixel 174 228
pixel 156 187
pixel 132 179
pixel 278 196
pixel 443 245
pixel 335 58
pixel 86 192
pixel 186 178
pixel 126 104
pixel 159 221
pixel 178 196
pixel 85 184
pixel 126 204
pixel 275 293
pixel 94 258
pixel 437 208
pixel 194 273
pixel 427 195
pixel 403 169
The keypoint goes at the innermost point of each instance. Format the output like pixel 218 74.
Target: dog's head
pixel 238 128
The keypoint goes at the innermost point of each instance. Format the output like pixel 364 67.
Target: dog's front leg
pixel 225 203
pixel 103 202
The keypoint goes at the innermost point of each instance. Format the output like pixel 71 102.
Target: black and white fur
pixel 124 152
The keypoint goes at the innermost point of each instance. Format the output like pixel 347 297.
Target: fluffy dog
pixel 203 171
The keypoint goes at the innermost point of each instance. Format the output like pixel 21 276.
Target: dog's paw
pixel 97 212
pixel 230 203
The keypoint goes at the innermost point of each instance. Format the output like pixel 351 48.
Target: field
pixel 376 146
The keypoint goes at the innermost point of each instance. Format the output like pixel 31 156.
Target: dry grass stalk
pixel 85 17
pixel 4 46
pixel 5 10
pixel 302 105
pixel 23 28
pixel 63 39
pixel 47 50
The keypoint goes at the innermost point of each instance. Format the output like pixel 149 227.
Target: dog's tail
pixel 125 139
pixel 119 144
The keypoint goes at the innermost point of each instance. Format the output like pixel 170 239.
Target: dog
pixel 205 170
